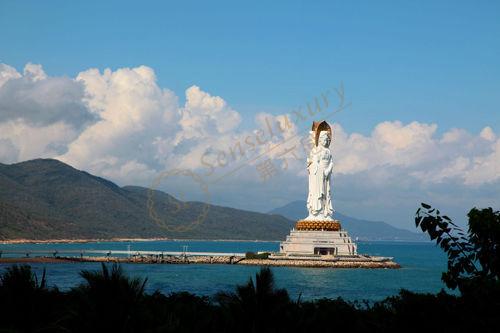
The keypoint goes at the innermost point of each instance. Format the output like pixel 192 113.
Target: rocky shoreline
pixel 225 260
pixel 321 263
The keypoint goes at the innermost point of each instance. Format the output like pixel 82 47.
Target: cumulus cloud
pixel 132 111
pixel 417 149
pixel 390 143
pixel 6 73
pixel 22 141
pixel 39 115
pixel 485 168
pixel 204 115
pixel 34 72
pixel 142 129
pixel 122 125
pixel 488 134
pixel 40 100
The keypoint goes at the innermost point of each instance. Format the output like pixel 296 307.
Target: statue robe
pixel 320 167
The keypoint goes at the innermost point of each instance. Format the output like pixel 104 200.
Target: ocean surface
pixel 422 265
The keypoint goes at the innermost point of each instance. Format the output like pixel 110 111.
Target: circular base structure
pixel 318 225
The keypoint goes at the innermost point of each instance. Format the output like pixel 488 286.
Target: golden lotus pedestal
pixel 308 225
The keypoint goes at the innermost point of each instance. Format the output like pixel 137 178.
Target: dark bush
pixel 253 255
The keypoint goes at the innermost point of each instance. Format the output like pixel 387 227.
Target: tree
pixel 473 257
pixel 257 306
pixel 26 304
pixel 108 301
pixel 22 278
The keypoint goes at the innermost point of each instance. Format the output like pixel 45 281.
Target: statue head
pixel 318 128
pixel 324 139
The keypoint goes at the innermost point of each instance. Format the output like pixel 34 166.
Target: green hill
pixel 47 199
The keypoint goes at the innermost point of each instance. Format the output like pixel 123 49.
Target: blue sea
pixel 422 265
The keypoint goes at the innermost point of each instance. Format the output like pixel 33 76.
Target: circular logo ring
pixel 162 222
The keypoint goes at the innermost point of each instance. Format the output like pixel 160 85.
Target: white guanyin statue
pixel 319 233
pixel 319 166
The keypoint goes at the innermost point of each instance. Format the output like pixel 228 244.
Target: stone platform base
pixel 324 262
pixel 323 243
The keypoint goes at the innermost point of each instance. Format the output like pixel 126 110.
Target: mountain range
pixel 48 199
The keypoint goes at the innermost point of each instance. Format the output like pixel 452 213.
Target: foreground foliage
pixel 473 256
pixel 110 301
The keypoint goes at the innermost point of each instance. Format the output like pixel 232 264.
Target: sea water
pixel 422 265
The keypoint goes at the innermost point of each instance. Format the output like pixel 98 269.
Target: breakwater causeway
pixel 360 261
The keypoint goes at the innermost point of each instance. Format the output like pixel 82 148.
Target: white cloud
pixel 34 72
pixel 143 130
pixel 390 143
pixel 7 73
pixel 205 114
pixel 488 134
pixel 455 135
pixel 133 111
pixel 123 126
pixel 22 141
pixel 40 100
pixel 485 168
pixel 420 153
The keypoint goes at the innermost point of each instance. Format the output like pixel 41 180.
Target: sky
pixel 136 91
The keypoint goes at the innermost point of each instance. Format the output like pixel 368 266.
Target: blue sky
pixel 423 79
pixel 430 61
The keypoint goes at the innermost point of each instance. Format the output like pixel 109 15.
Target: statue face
pixel 323 139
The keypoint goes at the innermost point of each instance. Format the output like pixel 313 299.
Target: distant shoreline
pixel 108 240
pixel 76 240
pixel 124 240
